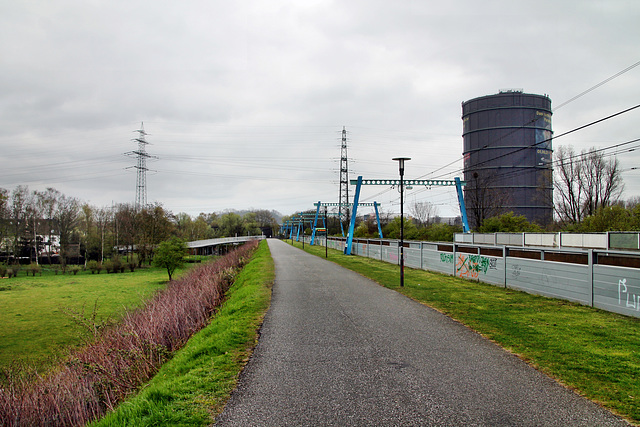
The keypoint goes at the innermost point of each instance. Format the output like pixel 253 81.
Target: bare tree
pixel 67 216
pixel 584 183
pixel 155 226
pixel 604 184
pixel 569 185
pixel 5 216
pixel 102 220
pixel 19 203
pixel 483 198
pixel 632 202
pixel 423 212
pixel 33 217
pixel 47 201
pixel 126 225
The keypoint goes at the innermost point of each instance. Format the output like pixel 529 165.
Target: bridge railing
pixel 221 241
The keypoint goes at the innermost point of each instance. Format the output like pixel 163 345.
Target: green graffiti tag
pixel 446 258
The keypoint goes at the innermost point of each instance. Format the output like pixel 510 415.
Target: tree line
pixel 51 227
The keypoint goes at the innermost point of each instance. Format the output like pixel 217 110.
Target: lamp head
pixel 401 161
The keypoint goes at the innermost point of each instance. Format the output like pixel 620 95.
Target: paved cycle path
pixel 338 349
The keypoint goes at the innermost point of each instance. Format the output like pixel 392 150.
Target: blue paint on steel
pixel 463 208
pixel 352 225
pixel 375 206
pixel 315 223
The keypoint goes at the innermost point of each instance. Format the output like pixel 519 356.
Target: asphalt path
pixel 338 349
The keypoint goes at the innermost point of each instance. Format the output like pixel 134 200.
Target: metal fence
pixel 611 240
pixel 605 279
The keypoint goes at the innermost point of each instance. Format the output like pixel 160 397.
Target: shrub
pixel 15 268
pixel 117 264
pixel 75 269
pixel 34 269
pixel 108 265
pixel 11 272
pixel 56 269
pixel 3 270
pixel 93 266
pixel 508 223
pixel 133 262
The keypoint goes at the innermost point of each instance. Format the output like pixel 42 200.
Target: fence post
pixel 505 253
pixel 454 259
pixel 591 260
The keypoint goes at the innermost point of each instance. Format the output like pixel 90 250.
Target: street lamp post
pixel 401 161
pixel 326 234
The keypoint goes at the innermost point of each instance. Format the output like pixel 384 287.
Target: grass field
pixel 34 327
pixel 594 352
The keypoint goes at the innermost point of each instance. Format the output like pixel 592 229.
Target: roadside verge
pixel 194 385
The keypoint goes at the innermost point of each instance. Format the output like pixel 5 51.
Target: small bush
pixel 108 265
pixel 92 266
pixel 133 262
pixel 75 269
pixel 56 269
pixel 117 264
pixel 11 272
pixel 3 270
pixel 34 269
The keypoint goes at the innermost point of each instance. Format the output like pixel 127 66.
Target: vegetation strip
pixel 591 351
pixel 122 358
pixel 193 387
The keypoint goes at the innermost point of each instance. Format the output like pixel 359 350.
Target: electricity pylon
pixel 141 167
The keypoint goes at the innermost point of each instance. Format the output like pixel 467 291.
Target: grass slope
pixel 594 352
pixel 192 388
pixel 35 327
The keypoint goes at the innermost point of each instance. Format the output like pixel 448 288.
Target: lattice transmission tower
pixel 343 198
pixel 141 167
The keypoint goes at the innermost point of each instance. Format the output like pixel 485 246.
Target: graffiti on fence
pixel 630 300
pixel 446 258
pixel 515 271
pixel 470 266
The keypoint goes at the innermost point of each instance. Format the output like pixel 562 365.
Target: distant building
pixel 508 156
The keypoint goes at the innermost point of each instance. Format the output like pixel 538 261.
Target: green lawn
pixel 594 352
pixel 34 327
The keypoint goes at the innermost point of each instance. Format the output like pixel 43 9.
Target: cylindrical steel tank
pixel 507 156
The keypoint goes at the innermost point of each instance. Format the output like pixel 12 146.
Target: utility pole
pixel 343 199
pixel 141 168
pixel 401 161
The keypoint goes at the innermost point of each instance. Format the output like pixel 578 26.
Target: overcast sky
pixel 244 101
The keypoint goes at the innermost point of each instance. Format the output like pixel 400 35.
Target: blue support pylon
pixel 315 223
pixel 354 213
pixel 375 206
pixel 463 208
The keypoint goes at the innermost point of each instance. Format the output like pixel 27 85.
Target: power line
pixel 592 88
